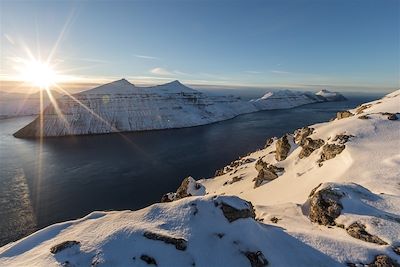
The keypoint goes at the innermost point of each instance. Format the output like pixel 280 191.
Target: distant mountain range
pixel 120 106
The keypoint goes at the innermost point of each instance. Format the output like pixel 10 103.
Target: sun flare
pixel 39 74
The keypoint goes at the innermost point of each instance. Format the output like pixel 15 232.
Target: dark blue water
pixel 66 178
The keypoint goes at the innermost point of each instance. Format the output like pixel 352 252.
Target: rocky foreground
pixel 121 106
pixel 326 195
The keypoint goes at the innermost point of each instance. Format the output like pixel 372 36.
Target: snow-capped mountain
pixel 18 104
pixel 330 96
pixel 326 195
pixel 121 106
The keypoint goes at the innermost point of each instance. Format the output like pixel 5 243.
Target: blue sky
pixel 298 43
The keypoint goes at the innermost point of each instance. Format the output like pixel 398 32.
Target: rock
pixel 301 134
pixel 66 244
pixel 390 116
pixel 282 148
pixel 179 243
pixel 263 176
pixel 396 250
pixel 383 261
pixel 342 138
pixel 361 108
pixel 269 142
pixel 275 219
pixel 363 117
pixel 147 259
pixel 357 230
pixel 233 214
pixel 329 151
pixel 325 206
pixel 314 189
pixel 256 259
pixel 168 197
pixel 309 145
pixel 343 114
pixel 266 172
pixel 219 172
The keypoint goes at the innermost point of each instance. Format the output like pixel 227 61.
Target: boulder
pixel 329 151
pixel 233 214
pixel 179 243
pixel 189 187
pixel 256 259
pixel 282 148
pixel 390 116
pixel 301 134
pixel 357 230
pixel 343 114
pixel 266 172
pixel 64 245
pixel 325 206
pixel 383 261
pixel 309 145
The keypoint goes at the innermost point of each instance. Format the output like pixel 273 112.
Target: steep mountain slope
pixel 121 106
pixel 18 104
pixel 327 195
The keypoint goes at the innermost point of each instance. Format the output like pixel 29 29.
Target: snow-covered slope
pixel 327 195
pixel 331 96
pixel 120 106
pixel 18 104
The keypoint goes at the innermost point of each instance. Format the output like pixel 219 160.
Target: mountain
pixel 325 195
pixel 330 96
pixel 121 106
pixel 19 104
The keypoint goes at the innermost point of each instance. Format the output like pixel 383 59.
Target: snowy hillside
pixel 18 104
pixel 120 106
pixel 327 195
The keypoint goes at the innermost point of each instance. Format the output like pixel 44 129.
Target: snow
pixel 365 174
pixel 121 106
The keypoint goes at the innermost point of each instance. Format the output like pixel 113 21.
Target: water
pixel 66 178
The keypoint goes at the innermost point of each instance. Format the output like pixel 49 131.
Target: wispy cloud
pixel 281 72
pixel 146 57
pixel 253 72
pixel 161 71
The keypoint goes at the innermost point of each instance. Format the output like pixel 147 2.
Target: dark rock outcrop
pixel 342 138
pixel 361 108
pixel 357 230
pixel 390 116
pixel 256 259
pixel 301 134
pixel 329 151
pixel 343 114
pixel 383 261
pixel 269 142
pixel 266 172
pixel 66 244
pixel 363 117
pixel 233 214
pixel 325 206
pixel 309 145
pixel 183 190
pixel 282 148
pixel 147 259
pixel 179 243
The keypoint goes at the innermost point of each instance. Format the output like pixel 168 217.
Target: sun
pixel 39 74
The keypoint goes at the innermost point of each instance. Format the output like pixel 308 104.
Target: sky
pixel 341 44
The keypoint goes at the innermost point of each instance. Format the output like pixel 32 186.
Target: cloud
pixel 9 38
pixel 281 72
pixel 253 72
pixel 161 71
pixel 146 57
